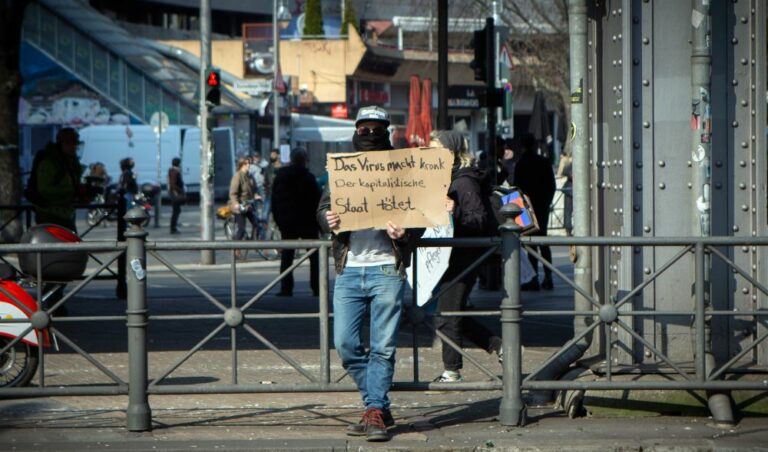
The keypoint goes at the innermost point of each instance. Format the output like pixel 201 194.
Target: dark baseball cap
pixel 372 113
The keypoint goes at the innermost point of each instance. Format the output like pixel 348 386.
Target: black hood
pixel 473 172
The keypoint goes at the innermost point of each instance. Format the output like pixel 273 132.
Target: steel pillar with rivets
pixel 644 181
pixel 739 171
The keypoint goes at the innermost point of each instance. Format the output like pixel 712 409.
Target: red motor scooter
pixel 18 362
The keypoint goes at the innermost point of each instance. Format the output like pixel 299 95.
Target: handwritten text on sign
pixel 405 186
pixel 431 262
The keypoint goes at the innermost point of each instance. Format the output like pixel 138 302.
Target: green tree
pixel 348 18
pixel 11 19
pixel 313 18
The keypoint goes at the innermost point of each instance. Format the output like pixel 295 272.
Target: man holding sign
pixel 366 205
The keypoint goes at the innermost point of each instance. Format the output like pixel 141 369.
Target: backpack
pixel 506 195
pixel 30 191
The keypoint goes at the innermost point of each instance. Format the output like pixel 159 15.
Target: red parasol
pixel 413 131
pixel 426 110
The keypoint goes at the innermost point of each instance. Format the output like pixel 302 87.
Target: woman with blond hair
pixel 472 217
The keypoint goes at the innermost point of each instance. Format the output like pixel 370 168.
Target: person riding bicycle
pixel 241 198
pixel 98 183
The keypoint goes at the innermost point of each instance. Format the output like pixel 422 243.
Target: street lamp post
pixel 207 257
pixel 275 71
pixel 278 13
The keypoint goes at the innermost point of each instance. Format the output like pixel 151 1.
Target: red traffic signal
pixel 213 87
pixel 212 78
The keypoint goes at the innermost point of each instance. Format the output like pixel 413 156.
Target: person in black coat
pixel 126 184
pixel 472 217
pixel 535 177
pixel 295 196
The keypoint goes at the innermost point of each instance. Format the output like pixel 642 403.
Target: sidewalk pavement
pixel 431 420
pixel 425 421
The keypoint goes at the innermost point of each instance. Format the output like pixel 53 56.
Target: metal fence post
pixel 325 335
pixel 121 289
pixel 139 414
pixel 512 409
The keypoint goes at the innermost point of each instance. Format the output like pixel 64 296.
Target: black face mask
pixel 371 142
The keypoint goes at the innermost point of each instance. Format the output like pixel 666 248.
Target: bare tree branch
pixel 557 27
pixel 562 7
pixel 520 14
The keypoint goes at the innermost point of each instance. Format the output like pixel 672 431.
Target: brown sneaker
pixel 359 428
pixel 375 430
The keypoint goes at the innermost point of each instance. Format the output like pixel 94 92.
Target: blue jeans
pixel 358 288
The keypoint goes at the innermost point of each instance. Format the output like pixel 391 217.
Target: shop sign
pixel 373 93
pixel 464 96
pixel 339 111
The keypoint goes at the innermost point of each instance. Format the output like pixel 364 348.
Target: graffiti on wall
pixel 68 109
pixel 52 95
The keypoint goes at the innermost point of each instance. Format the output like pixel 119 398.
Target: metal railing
pixel 27 210
pixel 230 315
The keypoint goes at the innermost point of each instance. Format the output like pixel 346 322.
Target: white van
pixel 223 158
pixel 110 144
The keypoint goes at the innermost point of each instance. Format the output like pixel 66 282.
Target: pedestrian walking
pixel 534 176
pixel 256 173
pixel 176 192
pixel 295 196
pixel 54 185
pixel 472 217
pixel 127 186
pixel 565 169
pixel 370 268
pixel 507 164
pixel 269 172
pixel 54 188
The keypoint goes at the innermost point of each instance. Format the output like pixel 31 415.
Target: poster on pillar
pixel 405 186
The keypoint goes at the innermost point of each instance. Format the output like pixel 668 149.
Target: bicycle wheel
pixel 94 215
pixel 269 231
pixel 229 228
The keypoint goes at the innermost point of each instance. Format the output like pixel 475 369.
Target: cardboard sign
pixel 432 263
pixel 405 186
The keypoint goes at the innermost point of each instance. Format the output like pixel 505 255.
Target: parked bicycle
pixel 265 229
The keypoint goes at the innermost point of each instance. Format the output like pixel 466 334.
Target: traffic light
pixel 479 64
pixel 213 87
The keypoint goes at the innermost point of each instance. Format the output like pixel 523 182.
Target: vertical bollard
pixel 324 312
pixel 120 290
pixel 512 409
pixel 139 417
